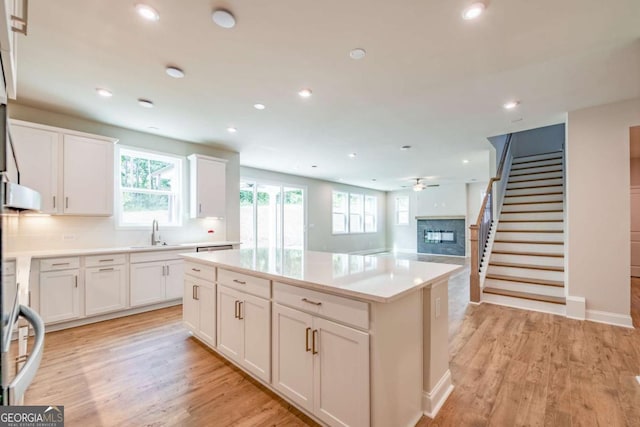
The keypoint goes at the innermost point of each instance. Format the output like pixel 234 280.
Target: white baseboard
pixel 433 400
pixel 576 308
pixel 615 319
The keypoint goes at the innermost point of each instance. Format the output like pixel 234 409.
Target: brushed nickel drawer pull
pixel 306 340
pixel 193 292
pixel 239 281
pixel 197 270
pixel 54 202
pixel 240 303
pixel 167 270
pixel 76 280
pixel 105 260
pixel 308 301
pixel 58 264
pixel 236 310
pixel 66 202
pixel 106 269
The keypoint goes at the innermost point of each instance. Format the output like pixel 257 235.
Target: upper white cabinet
pixel 73 172
pixel 207 184
pixel 88 176
pixel 12 22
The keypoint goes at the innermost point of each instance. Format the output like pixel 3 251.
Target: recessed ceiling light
pixel 153 128
pixel 259 106
pixel 465 161
pixel 510 105
pixel 314 166
pixel 357 53
pixel 231 129
pixel 473 11
pixel 223 18
pixel 104 92
pixel 405 147
pixel 305 93
pixel 352 155
pixel 147 12
pixel 145 103
pixel 175 72
pixel 373 179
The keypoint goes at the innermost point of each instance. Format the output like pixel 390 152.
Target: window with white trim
pixel 402 210
pixel 150 187
pixel 354 213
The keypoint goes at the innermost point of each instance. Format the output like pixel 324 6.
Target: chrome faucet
pixel 155 233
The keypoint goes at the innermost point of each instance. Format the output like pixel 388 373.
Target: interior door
pixel 292 355
pixel 635 232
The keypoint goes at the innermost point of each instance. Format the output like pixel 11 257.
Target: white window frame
pixel 179 193
pixel 363 214
pixel 398 211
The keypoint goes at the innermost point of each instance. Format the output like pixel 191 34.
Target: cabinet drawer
pixel 341 309
pixel 201 271
pixel 101 260
pixel 52 264
pixel 158 255
pixel 8 268
pixel 245 283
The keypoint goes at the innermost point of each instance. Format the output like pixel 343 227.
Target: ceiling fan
pixel 419 186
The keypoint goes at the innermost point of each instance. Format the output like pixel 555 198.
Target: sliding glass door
pixel 272 215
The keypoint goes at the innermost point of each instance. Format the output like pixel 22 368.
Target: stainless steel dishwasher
pixel 212 248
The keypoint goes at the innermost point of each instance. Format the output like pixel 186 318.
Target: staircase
pixel 526 264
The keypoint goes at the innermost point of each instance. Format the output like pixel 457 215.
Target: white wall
pixel 446 200
pixel 63 232
pixel 535 141
pixel 319 193
pixel 598 208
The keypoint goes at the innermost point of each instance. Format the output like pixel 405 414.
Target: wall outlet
pixel 437 307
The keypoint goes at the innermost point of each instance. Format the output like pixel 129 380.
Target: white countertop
pixel 365 277
pixel 97 251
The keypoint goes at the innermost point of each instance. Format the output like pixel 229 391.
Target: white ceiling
pixel 430 79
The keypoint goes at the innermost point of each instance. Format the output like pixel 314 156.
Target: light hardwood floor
pixel 510 367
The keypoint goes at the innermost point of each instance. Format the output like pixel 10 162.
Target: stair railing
pixel 482 228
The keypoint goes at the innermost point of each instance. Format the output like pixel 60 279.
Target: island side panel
pixel 437 377
pixel 396 361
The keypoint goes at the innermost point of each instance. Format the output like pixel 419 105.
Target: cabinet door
pixel 105 289
pixel 88 176
pixel 229 324
pixel 256 355
pixel 59 295
pixel 341 374
pixel 37 156
pixel 292 357
pixel 210 188
pixel 147 283
pixel 206 295
pixel 174 275
pixel 190 305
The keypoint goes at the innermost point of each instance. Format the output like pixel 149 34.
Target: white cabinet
pixel 244 329
pixel 208 186
pixel 12 21
pixel 199 308
pixel 88 176
pixel 73 172
pixel 156 281
pixel 37 156
pixel 105 289
pixel 59 295
pixel 322 366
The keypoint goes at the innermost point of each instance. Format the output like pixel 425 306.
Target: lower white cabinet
pixel 157 281
pixel 199 308
pixel 322 366
pixel 59 295
pixel 105 289
pixel 244 330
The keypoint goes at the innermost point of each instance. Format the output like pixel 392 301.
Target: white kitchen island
pixel 351 340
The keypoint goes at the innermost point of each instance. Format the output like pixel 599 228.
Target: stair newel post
pixel 474 289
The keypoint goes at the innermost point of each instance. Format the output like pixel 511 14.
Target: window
pixel 354 213
pixel 402 210
pixel 150 188
pixel 370 214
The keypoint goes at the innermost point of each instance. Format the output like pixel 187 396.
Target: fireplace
pixel 441 235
